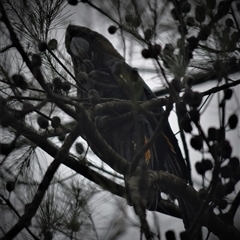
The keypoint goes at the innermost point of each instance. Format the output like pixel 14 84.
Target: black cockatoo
pixel 99 66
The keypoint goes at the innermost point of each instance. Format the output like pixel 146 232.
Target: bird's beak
pixel 79 48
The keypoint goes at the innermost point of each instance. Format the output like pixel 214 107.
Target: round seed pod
pixel 234 163
pixel 50 86
pixel 223 8
pixel 148 34
pixel 66 86
pixel 207 164
pixel 200 13
pixel 204 33
pixel 211 4
pixel 56 121
pixel 175 14
pixel 93 96
pixel 233 121
pixel 112 29
pixel 186 124
pixel 52 44
pixel 146 53
pixel 170 235
pixel 193 42
pixel 42 46
pixel 82 78
pixel 222 203
pixel 10 186
pixel 229 22
pixel 186 7
pixel 181 109
pixel 79 148
pixel 190 21
pixel 42 122
pixel 57 84
pixel 226 149
pixel 188 96
pixel 194 114
pixel 20 81
pixel 27 107
pixel 136 22
pixel 197 142
pixel 62 137
pixel 73 2
pixel 228 93
pixel 36 60
pixel 196 100
pixel 129 18
pixel 176 85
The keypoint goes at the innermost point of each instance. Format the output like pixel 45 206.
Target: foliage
pixel 189 41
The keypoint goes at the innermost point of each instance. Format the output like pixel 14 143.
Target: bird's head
pixel 83 43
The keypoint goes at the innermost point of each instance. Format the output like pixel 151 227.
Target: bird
pixel 107 72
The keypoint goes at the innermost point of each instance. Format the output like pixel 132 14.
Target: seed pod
pixel 185 7
pixel 82 77
pixel 235 37
pixel 36 60
pixel 19 81
pixel 57 84
pixel 27 107
pixel 228 93
pixel 148 34
pixel 42 46
pixel 200 13
pixel 222 203
pixel 190 21
pixel 188 96
pixel 136 22
pixel 196 100
pixel 79 148
pixel 196 142
pixel 10 186
pixel 211 4
pixel 223 8
pixel 56 121
pixel 62 137
pixel 226 171
pixel 207 164
pixel 93 96
pixel 193 42
pixel 66 86
pixel 229 22
pixel 233 121
pixel 186 124
pixel 181 109
pixel 42 122
pixel 176 85
pixel 226 149
pixel 234 163
pixel 184 236
pixel 112 29
pixel 73 2
pixel 50 86
pixel 194 114
pixel 129 18
pixel 146 53
pixel 204 33
pixel 52 44
pixel 170 235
